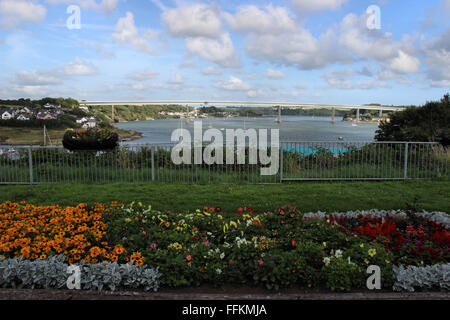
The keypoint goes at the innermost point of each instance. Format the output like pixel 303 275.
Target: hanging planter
pixel 91 139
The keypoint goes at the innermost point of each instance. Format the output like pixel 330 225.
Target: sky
pixel 392 52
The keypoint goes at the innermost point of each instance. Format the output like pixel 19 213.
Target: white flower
pixel 218 271
pixel 326 260
pixel 222 255
pixel 338 254
pixel 217 250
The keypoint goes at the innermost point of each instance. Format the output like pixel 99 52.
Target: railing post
pixel 405 175
pixel 30 163
pixel 281 162
pixel 153 163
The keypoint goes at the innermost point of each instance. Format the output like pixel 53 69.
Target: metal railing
pixel 298 161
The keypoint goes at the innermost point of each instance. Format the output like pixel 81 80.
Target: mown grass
pixel 313 196
pixel 35 136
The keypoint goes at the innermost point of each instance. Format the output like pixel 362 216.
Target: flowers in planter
pixel 272 249
pixel 79 233
pixel 91 139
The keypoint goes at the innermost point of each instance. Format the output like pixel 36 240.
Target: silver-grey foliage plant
pixel 429 277
pixel 52 273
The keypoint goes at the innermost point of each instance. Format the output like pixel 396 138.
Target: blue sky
pixel 321 51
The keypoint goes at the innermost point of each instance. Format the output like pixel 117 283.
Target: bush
pixel 423 124
pixel 91 139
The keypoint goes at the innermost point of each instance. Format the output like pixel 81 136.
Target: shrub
pixel 52 274
pixel 91 139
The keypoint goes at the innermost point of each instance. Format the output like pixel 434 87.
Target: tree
pixel 423 124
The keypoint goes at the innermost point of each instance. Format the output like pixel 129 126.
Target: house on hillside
pixel 25 110
pixel 91 123
pixel 82 120
pixel 23 117
pixel 52 106
pixel 45 115
pixel 6 114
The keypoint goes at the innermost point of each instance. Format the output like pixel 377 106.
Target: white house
pixel 82 120
pixel 52 106
pixel 6 114
pixel 25 110
pixel 23 117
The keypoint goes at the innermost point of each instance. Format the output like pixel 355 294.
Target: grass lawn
pixel 328 197
pixel 35 136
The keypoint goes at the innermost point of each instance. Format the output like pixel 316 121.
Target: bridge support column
pixel 333 116
pixel 381 113
pixel 112 113
pixel 279 115
pixel 358 112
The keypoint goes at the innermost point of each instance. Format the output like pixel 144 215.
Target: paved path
pixel 13 294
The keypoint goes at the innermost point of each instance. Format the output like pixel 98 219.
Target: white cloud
pixel 274 74
pixel 437 59
pixel 372 84
pixel 197 20
pixel 107 6
pixel 37 78
pixel 79 67
pixel 405 63
pixel 211 71
pixel 143 75
pixel 253 19
pixel 374 44
pixel 177 80
pixel 137 86
pixel 340 79
pixel 233 84
pixel 127 33
pixel 54 76
pixel 13 13
pixel 258 93
pixel 297 48
pixel 220 51
pixel 306 6
pixel 200 25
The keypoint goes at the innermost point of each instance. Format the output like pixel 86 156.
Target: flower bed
pixel 249 248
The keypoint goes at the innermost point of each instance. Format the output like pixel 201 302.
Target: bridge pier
pixel 333 116
pixel 279 115
pixel 358 112
pixel 381 113
pixel 112 113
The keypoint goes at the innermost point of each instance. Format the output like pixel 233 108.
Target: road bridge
pixel 279 105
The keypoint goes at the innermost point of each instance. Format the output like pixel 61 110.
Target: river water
pixel 293 128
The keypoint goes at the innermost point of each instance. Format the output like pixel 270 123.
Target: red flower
pixel 260 262
pixel 293 243
pixel 240 211
pixel 188 258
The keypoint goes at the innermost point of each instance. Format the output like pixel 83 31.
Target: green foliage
pixel 91 139
pixel 341 275
pixel 427 123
